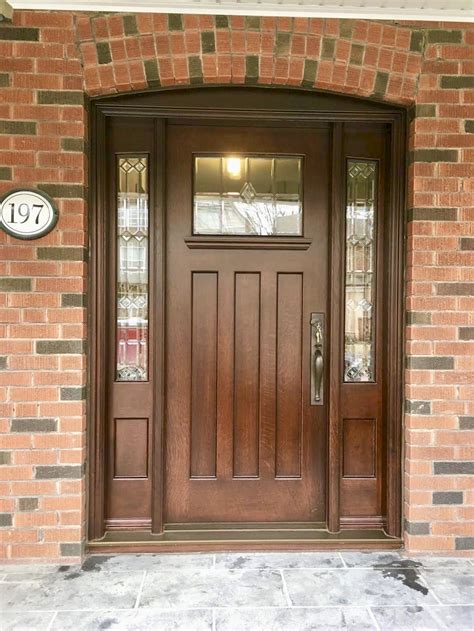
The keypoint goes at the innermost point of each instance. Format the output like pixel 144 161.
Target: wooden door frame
pixel 291 105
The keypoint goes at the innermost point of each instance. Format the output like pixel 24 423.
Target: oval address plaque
pixel 27 213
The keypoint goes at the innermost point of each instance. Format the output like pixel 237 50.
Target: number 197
pixel 23 212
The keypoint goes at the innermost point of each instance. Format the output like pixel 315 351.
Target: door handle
pixel 317 358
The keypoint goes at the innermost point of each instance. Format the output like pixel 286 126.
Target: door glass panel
pixel 248 195
pixel 132 269
pixel 360 271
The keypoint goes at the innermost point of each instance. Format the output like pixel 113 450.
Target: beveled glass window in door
pixel 248 195
pixel 359 327
pixel 132 269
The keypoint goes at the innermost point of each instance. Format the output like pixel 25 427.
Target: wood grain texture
pixel 358 447
pixel 204 374
pixel 246 434
pixel 131 448
pixel 269 443
pixel 289 404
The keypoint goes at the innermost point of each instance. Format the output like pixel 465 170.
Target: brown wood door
pixel 242 441
pixel 201 345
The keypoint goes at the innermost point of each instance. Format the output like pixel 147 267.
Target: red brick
pixel 40 550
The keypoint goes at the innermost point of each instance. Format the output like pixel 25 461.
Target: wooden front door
pixel 246 350
pixel 243 441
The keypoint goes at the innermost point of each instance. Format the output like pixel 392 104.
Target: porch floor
pixel 296 591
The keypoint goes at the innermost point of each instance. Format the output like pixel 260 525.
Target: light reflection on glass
pixel 248 195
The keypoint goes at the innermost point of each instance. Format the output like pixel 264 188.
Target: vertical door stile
pixel 335 327
pixel 157 318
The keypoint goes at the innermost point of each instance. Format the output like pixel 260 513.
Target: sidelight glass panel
pixel 360 271
pixel 132 269
pixel 248 195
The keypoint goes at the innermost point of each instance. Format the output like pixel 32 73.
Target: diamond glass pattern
pixel 360 276
pixel 248 195
pixel 132 269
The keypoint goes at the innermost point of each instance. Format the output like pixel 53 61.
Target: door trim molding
pixel 247 243
pixel 326 108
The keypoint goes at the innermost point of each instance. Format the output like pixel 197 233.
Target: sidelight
pixel 132 269
pixel 248 195
pixel 360 271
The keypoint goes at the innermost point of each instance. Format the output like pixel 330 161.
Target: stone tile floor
pixel 241 592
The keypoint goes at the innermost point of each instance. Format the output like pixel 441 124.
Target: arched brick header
pixel 135 52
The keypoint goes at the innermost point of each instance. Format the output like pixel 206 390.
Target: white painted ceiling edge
pixel 425 10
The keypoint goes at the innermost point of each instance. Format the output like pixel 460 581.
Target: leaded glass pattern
pixel 360 271
pixel 248 195
pixel 132 269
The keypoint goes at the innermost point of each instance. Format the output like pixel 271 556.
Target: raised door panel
pixel 246 425
pixel 204 374
pixel 289 353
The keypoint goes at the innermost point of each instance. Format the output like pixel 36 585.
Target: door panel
pixel 243 442
pixel 246 430
pixel 204 374
pixel 289 408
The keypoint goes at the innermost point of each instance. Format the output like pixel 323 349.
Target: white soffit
pixel 432 10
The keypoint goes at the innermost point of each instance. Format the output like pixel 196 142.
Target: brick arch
pixel 123 53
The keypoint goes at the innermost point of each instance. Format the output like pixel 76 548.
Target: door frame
pixel 245 104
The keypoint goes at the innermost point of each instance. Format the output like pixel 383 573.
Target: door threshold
pixel 243 537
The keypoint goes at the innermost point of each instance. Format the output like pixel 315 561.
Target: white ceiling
pixel 436 10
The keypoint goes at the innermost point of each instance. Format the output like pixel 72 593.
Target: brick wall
pixel 42 440
pixel 49 60
pixel 439 497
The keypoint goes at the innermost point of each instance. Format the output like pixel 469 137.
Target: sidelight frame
pixel 243 105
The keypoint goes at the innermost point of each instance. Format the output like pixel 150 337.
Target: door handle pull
pixel 318 374
pixel 317 358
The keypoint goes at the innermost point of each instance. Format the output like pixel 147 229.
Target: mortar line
pixel 343 561
pixel 55 615
pixel 372 617
pixel 140 589
pixel 285 590
pixel 427 583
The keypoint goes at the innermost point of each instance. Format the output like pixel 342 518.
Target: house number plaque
pixel 27 213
